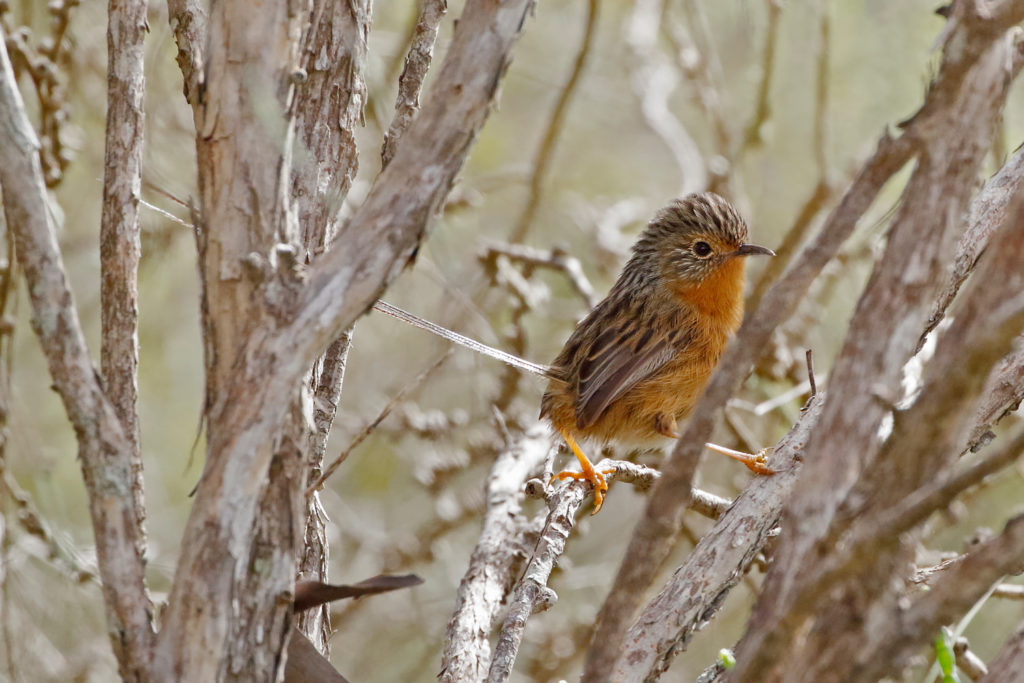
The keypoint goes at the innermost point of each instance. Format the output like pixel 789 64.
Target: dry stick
pixel 120 245
pixel 822 194
pixel 653 80
pixel 664 628
pixel 716 564
pixel 34 524
pixel 824 191
pixel 694 65
pixel 546 149
pixel 379 241
pixel 1009 591
pixel 404 392
pixel 1003 395
pixel 967 661
pixel 810 372
pixel 953 122
pixel 531 594
pixel 187 19
pixel 417 62
pixel 987 211
pixel 555 259
pixel 332 88
pixel 953 374
pixel 1005 666
pixel 496 559
pixel 953 593
pixel 652 538
pixel 752 137
pixel 104 450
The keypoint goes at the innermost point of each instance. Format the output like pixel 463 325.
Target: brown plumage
pixel 637 363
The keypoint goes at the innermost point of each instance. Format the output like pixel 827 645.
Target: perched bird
pixel 637 364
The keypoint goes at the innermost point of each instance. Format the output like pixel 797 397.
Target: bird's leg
pixel 666 425
pixel 753 461
pixel 595 478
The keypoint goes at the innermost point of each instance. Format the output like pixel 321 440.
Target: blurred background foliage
pixel 410 497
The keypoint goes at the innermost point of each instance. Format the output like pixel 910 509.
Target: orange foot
pixel 755 462
pixel 597 479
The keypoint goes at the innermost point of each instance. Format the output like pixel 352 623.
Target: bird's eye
pixel 702 249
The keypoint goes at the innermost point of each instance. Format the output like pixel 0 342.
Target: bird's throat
pixel 719 296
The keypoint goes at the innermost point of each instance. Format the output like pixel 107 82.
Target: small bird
pixel 637 364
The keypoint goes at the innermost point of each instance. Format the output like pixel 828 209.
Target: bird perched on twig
pixel 637 364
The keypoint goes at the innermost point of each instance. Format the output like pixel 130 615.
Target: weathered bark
pixel 953 129
pixel 243 147
pixel 105 452
pixel 268 324
pixel 656 530
pixel 699 586
pixel 329 99
pixel 120 244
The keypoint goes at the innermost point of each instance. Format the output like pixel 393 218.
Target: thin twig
pixel 372 425
pixel 555 259
pixel 496 559
pixel 653 81
pixel 1009 591
pixel 532 594
pixel 810 372
pixel 105 452
pixel 753 136
pixel 715 565
pixel 548 143
pixel 967 661
pixel 120 242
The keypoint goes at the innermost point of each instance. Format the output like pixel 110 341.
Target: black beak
pixel 753 249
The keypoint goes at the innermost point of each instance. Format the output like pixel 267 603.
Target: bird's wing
pixel 620 358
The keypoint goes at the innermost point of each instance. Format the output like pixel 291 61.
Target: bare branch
pixel 967 661
pixel 822 194
pixel 402 394
pixel 955 123
pixel 546 148
pixel 1006 665
pixel 417 62
pixel 1003 395
pixel 753 136
pixel 953 592
pixel 532 594
pixel 496 560
pixel 104 450
pixel 987 211
pixel 653 536
pixel 330 95
pixel 700 585
pixel 380 240
pixel 555 259
pixel 653 81
pixel 188 23
pixel 120 246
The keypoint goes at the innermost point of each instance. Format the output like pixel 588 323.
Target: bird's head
pixel 694 239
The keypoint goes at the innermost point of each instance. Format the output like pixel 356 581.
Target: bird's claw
pixel 755 462
pixel 597 481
